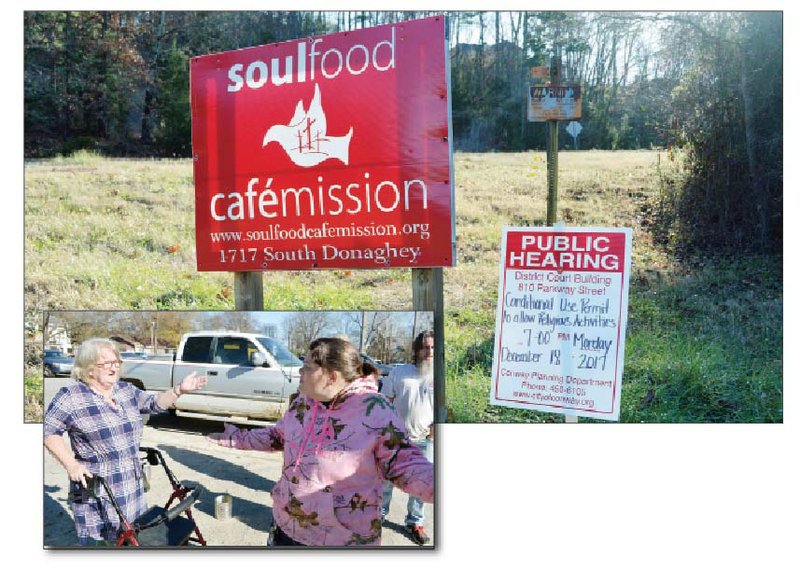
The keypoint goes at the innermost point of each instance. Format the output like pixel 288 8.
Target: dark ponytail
pixel 368 369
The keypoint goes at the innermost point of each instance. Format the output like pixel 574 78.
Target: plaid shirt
pixel 106 441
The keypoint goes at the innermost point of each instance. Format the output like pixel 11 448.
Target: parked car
pixel 384 370
pixel 56 363
pixel 250 377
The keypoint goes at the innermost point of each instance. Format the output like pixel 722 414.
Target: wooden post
pixel 248 290
pixel 552 150
pixel 552 172
pixel 427 287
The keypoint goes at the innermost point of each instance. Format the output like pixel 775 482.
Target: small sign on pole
pixel 540 72
pixel 562 312
pixel 574 128
pixel 554 102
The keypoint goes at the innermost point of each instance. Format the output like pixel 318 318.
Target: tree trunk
pixel 148 101
pixel 756 193
pixel 363 341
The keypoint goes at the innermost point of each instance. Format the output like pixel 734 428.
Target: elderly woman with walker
pixel 103 420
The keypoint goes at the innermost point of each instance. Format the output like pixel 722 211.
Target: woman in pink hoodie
pixel 340 440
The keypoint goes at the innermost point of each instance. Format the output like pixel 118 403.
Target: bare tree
pixel 303 327
pixel 231 320
pixel 362 326
pixel 79 325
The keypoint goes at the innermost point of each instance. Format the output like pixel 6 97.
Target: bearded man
pixel 410 388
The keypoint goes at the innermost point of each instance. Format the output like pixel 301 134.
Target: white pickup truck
pixel 250 376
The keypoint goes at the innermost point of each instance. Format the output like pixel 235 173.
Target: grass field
pixel 704 335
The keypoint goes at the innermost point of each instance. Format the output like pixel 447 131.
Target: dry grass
pixel 119 234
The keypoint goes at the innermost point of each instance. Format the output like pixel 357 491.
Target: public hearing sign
pixel 562 311
pixel 325 152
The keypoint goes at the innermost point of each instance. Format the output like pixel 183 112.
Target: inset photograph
pixel 239 429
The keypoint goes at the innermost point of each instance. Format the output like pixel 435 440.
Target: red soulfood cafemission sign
pixel 325 152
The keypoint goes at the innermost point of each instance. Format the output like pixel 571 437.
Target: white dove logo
pixel 305 138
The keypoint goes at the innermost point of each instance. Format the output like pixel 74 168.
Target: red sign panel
pixel 566 250
pixel 325 152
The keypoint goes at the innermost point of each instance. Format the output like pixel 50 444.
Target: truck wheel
pixel 48 372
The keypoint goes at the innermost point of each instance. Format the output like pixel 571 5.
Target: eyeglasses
pixel 108 365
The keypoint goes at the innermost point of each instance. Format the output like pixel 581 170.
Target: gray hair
pixel 86 356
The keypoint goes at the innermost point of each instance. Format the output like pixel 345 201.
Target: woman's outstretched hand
pixel 225 438
pixel 192 383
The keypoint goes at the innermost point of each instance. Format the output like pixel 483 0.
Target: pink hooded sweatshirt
pixel 335 460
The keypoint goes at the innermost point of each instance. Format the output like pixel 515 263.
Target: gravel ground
pixel 245 475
